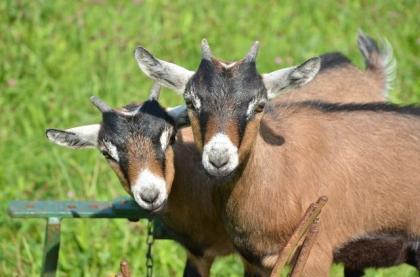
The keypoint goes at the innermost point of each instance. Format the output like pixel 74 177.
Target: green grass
pixel 55 54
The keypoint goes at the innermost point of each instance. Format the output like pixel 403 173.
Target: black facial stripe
pixel 242 122
pixel 203 121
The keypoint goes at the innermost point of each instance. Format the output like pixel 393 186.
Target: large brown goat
pixel 310 148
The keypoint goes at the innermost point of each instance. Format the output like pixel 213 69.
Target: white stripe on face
pixel 220 155
pixel 149 191
pixel 196 101
pixel 251 107
pixel 164 138
pixel 112 150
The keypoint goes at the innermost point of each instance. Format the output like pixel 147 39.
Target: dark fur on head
pixel 147 122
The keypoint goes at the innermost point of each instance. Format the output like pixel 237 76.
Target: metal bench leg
pixel 51 247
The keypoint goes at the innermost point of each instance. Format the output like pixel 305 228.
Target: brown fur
pixel 134 165
pixel 364 162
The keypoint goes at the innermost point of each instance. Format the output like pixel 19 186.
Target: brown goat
pixel 131 139
pixel 237 225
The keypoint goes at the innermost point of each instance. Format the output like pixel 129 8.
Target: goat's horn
pixel 253 52
pixel 205 50
pixel 155 92
pixel 101 105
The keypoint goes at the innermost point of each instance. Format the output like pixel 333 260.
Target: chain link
pixel 150 240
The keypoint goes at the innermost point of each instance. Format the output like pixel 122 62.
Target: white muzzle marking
pixel 220 156
pixel 149 191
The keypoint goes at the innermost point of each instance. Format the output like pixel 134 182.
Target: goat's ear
pixel 291 77
pixel 167 74
pixel 180 115
pixel 79 137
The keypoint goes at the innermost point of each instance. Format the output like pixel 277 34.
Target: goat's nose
pixel 149 195
pixel 219 158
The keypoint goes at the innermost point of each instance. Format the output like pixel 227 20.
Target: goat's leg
pixel 197 266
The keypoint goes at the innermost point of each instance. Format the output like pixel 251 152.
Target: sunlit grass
pixel 55 54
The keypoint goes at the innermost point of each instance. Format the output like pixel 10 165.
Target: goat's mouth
pixel 157 208
pixel 221 173
pixel 154 207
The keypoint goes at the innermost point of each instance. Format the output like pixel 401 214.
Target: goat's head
pixel 225 101
pixel 137 143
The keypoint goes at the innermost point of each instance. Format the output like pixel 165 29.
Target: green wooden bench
pixel 55 211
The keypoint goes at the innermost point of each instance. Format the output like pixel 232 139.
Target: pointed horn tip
pixel 256 46
pixel 100 104
pixel 95 99
pixel 360 32
pixel 253 52
pixel 205 50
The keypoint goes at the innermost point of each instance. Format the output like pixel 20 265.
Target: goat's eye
pixel 108 156
pixel 260 107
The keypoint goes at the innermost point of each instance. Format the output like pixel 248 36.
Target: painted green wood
pixel 119 208
pixel 54 211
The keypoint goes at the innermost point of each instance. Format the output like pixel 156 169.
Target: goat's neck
pixel 252 196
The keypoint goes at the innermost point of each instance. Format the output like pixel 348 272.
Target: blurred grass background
pixel 55 54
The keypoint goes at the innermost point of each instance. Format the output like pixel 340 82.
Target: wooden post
pixel 304 234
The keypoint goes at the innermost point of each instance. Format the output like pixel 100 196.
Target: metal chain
pixel 150 240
